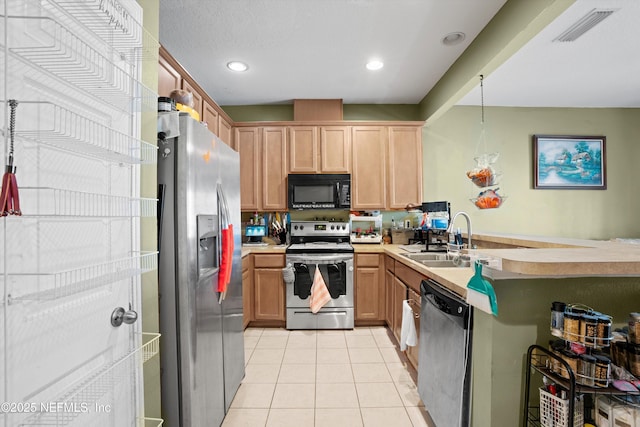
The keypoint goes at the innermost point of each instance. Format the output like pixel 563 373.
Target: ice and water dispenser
pixel 207 244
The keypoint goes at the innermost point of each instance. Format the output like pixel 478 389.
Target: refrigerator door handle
pixel 226 245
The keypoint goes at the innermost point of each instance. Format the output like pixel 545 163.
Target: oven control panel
pixel 319 228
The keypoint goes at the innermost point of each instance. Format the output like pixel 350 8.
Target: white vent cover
pixel 587 22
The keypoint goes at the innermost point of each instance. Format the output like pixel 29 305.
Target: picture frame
pixel 569 162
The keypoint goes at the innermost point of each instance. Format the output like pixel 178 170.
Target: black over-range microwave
pixel 319 191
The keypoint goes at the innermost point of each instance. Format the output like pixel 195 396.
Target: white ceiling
pixel 599 69
pixel 313 49
pixel 310 49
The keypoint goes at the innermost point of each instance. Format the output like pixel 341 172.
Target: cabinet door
pixel 389 267
pixel 368 174
pixel 388 312
pixel 225 134
pixel 247 291
pixel 248 145
pixel 404 179
pixel 274 169
pixel 412 352
pixel 335 149
pixel 303 149
pixel 268 294
pixel 369 287
pixel 368 293
pixel 399 295
pixel 210 117
pixel 197 98
pixel 168 77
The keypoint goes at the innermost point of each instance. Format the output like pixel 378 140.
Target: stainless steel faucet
pixel 466 216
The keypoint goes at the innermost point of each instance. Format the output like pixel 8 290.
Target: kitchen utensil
pixel 480 293
pixel 9 197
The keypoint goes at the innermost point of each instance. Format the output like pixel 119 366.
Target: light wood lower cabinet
pixel 399 295
pixel 247 290
pixel 389 275
pixel 412 352
pixel 268 287
pixel 369 288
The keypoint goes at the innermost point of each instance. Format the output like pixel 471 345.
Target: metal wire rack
pixel 61 284
pixel 82 398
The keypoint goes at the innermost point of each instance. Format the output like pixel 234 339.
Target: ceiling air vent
pixel 586 23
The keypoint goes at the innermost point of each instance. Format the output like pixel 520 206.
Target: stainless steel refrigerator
pixel 202 344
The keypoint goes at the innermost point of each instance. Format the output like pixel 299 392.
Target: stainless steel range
pixel 323 245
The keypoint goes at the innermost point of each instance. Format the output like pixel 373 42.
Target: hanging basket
pixel 488 199
pixel 485 174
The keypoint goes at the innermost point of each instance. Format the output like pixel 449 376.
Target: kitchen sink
pixel 446 263
pixel 425 256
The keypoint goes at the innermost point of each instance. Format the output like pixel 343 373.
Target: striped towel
pixel 319 292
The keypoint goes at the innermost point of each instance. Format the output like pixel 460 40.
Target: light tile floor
pixel 325 378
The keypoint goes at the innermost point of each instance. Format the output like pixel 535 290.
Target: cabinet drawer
pixel 409 276
pixel 246 262
pixel 389 263
pixel 268 261
pixel 368 260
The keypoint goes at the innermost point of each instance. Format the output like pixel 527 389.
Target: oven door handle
pixel 313 259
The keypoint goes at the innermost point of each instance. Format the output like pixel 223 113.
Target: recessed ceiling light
pixel 237 66
pixel 453 38
pixel 374 65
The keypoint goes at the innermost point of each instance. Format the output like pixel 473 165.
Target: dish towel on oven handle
pixel 319 292
pixel 408 329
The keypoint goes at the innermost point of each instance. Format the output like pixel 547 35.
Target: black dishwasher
pixel 444 358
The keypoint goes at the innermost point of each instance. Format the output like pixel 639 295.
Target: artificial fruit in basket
pixel 488 199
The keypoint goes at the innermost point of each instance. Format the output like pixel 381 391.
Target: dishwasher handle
pixel 445 300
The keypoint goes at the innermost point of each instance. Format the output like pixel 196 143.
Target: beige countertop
pixel 529 257
pixel 561 257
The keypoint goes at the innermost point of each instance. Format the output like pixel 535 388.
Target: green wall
pixel 149 228
pixel 263 113
pixel 500 343
pixel 451 143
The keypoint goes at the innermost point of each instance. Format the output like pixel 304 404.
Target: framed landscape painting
pixel 569 162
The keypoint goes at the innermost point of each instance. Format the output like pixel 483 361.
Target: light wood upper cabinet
pixel 303 149
pixel 404 181
pixel 210 117
pixel 274 168
pixel 225 132
pixel 368 176
pixel 247 142
pixel 172 76
pixel 335 149
pixel 168 77
pixel 263 170
pixel 197 97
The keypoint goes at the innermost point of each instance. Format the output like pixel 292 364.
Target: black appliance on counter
pixel 436 236
pixel 319 191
